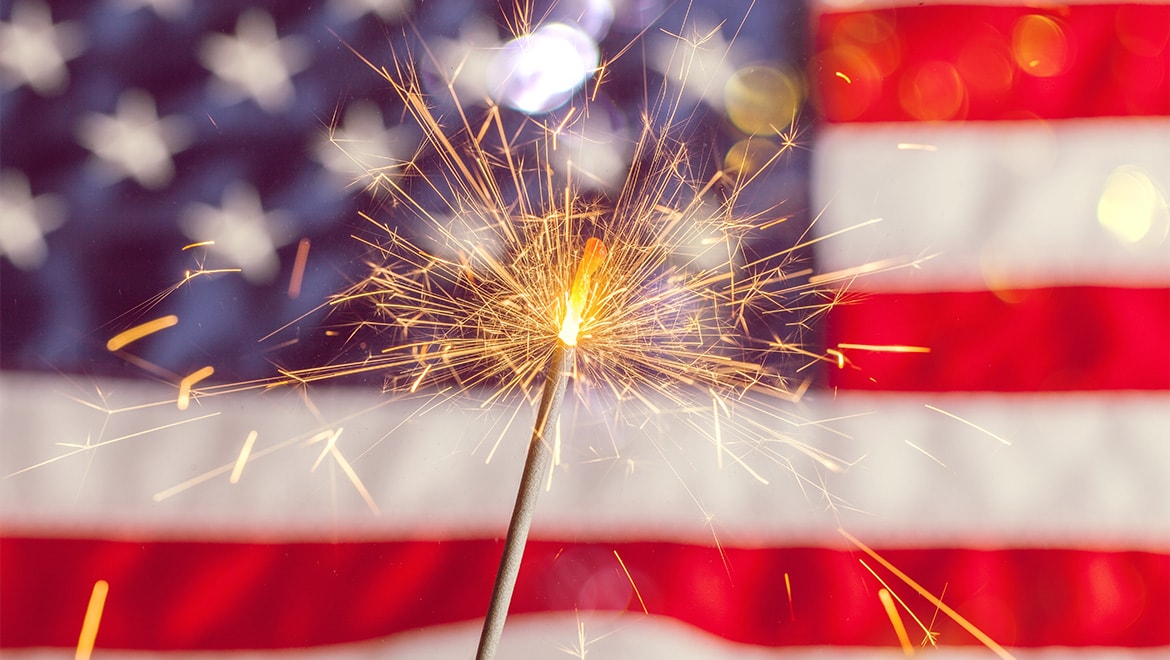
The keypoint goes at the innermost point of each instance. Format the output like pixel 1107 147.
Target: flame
pixel 595 253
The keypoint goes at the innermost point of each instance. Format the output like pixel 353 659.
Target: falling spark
pixel 191 246
pixel 987 641
pixel 838 356
pixel 120 340
pixel 631 579
pixel 896 621
pixel 94 446
pixel 188 381
pixel 245 451
pixel 969 423
pixel 842 76
pixel 330 445
pixel 788 588
pixel 93 619
pixel 298 271
pixel 926 453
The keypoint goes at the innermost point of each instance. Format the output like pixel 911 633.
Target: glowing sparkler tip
pixel 594 255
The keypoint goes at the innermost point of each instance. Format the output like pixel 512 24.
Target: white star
pixel 362 149
pixel 134 142
pixel 255 63
pixel 171 10
pixel 24 221
pixel 387 10
pixel 35 50
pixel 244 235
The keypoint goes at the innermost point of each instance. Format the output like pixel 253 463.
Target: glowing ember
pixel 595 253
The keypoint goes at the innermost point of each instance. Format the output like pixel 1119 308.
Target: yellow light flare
pixel 969 423
pixel 122 339
pixel 192 246
pixel 245 451
pixel 93 619
pixel 986 640
pixel 185 385
pixel 1039 45
pixel 631 579
pixel 885 348
pixel 594 255
pixel 843 76
pixel 896 621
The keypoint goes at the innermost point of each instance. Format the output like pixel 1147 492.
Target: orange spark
pixel 788 588
pixel 842 76
pixel 987 641
pixel 139 331
pixel 839 355
pixel 969 423
pixel 199 244
pixel 885 348
pixel 188 381
pixel 896 621
pixel 591 260
pixel 298 272
pixel 93 618
pixel 245 451
pixel 631 579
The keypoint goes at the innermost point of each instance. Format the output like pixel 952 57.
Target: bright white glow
pixel 538 72
pixel 593 16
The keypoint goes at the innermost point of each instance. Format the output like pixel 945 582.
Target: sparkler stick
pixel 539 451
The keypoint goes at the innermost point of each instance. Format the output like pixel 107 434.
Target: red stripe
pixel 1051 339
pixel 993 62
pixel 187 595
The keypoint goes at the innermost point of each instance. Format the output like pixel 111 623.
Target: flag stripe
pixel 997 203
pixel 221 595
pixel 1023 340
pixel 983 62
pixel 1056 484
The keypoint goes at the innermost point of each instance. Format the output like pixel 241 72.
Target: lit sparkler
pixel 499 265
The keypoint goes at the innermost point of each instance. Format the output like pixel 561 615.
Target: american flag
pixel 1002 405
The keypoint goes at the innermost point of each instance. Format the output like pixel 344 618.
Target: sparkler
pixel 539 452
pixel 669 300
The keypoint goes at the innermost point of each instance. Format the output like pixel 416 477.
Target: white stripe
pixel 1000 203
pixel 1082 469
pixel 609 635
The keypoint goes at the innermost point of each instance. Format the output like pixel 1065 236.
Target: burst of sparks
pixel 472 282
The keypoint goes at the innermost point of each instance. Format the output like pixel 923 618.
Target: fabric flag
pixel 997 404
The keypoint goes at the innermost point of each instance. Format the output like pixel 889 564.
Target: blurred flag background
pixel 1019 468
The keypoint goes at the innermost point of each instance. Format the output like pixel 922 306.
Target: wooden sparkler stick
pixel 535 466
pixel 539 451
